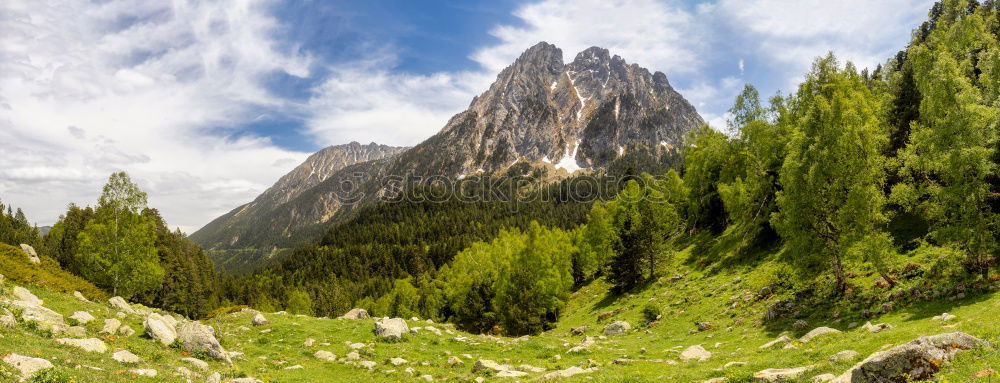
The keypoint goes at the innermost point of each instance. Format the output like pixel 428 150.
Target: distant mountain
pixel 574 116
pixel 581 116
pixel 270 217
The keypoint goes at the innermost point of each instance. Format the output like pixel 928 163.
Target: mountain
pixel 580 116
pixel 272 215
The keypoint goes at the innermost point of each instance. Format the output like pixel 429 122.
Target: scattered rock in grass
pixel 325 355
pixel 82 317
pixel 368 364
pixel 823 378
pixel 398 361
pixel 817 332
pixel 780 374
pixel 309 342
pixel 259 320
pixel 196 337
pixel 605 315
pixel 355 346
pixel 40 316
pixel 844 356
pixel 353 355
pixel 427 378
pixel 455 361
pixel 530 368
pixel 780 341
pixel 124 356
pixel 511 374
pixel 295 367
pixel 26 365
pixel 489 365
pixel 800 325
pixel 983 373
pixel 356 314
pixel 944 317
pixel 578 330
pixel 919 359
pixel 24 295
pixel 88 345
pixel 7 319
pixel 393 328
pixel 704 326
pixel 434 330
pixel 79 296
pixel 196 363
pixel 734 364
pixel 617 328
pixel 120 304
pixel 247 380
pixel 568 372
pixel 75 331
pixel 149 373
pixel 126 331
pixel 215 377
pixel 877 327
pixel 696 352
pixel 851 326
pixel 157 329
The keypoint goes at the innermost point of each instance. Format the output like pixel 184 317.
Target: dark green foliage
pixel 15 229
pixel 16 268
pixel 651 312
pixel 62 240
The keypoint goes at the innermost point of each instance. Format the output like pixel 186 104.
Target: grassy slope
pixel 699 296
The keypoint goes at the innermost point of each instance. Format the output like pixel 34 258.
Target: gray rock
pixel 391 328
pixel 120 304
pixel 196 363
pixel 215 377
pixel 817 332
pixel 398 361
pixel 578 330
pixel 325 355
pixel 79 296
pixel 7 319
pixel 30 252
pixel 26 365
pixel 353 355
pixel 111 326
pixel 76 331
pixel 780 374
pixel 877 327
pixel 696 352
pixel 82 317
pixel 259 320
pixel 124 356
pixel 823 378
pixel 568 372
pixel 917 360
pixel 617 328
pixel 800 325
pixel 159 330
pixel 489 365
pixel 126 331
pixel 367 364
pixel 24 295
pixel 454 361
pixel 88 345
pixel 196 337
pixel 944 317
pixel 146 372
pixel 309 342
pixel 844 356
pixel 41 316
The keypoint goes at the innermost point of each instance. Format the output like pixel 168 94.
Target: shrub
pixel 51 375
pixel 651 312
pixel 18 269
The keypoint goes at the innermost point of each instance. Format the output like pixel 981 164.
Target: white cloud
pixel 146 87
pixel 659 35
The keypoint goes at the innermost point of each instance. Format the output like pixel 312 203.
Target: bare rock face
pixel 196 337
pixel 916 360
pixel 30 252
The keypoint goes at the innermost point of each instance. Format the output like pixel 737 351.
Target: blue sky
pixel 206 103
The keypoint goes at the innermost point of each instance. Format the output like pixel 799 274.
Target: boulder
pixel 844 356
pixel 41 316
pixel 157 329
pixel 617 328
pixel 455 361
pixel 780 341
pixel 917 360
pixel 124 356
pixel 111 326
pixel 196 363
pixel 7 319
pixel 24 295
pixel 944 317
pixel 489 365
pixel 353 355
pixel 398 361
pixel 823 378
pixel 30 252
pixel 259 320
pixel 391 328
pixel 26 365
pixel 696 352
pixel 146 372
pixel 309 342
pixel 876 327
pixel 196 337
pixel 578 330
pixel 88 345
pixel 530 368
pixel 82 317
pixel 780 374
pixel 325 355
pixel 567 372
pixel 356 314
pixel 79 296
pixel 120 304
pixel 126 331
pixel 817 332
pixel 215 377
pixel 367 364
pixel 76 331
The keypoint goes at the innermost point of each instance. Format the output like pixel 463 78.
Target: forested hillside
pixel 891 171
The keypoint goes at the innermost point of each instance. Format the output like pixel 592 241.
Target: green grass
pixel 722 296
